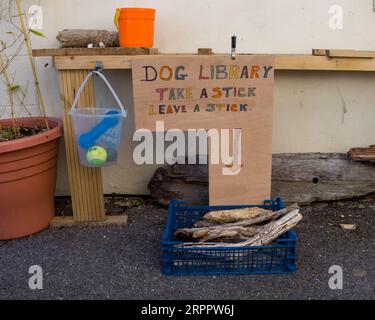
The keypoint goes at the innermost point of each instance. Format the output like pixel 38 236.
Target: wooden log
pixel 80 38
pixel 305 178
pixel 362 154
pixel 301 178
pixel 184 182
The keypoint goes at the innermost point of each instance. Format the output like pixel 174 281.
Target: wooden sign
pixel 202 92
pixel 214 92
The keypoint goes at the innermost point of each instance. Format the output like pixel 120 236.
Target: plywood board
pixel 203 91
pixel 214 93
pixel 252 184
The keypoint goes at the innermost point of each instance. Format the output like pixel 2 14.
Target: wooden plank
pixel 68 222
pixel 94 51
pixel 88 62
pixel 351 54
pixel 85 183
pixel 319 52
pixel 320 63
pixel 204 51
pixel 343 53
pixel 282 62
pixel 302 178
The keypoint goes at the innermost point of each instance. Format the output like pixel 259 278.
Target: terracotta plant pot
pixel 27 180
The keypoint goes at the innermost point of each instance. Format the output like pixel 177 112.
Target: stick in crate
pixel 281 222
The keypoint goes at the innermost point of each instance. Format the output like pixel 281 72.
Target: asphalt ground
pixel 125 262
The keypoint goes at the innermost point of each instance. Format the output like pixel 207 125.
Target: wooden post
pixel 85 184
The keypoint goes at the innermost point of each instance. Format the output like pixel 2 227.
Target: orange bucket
pixel 135 26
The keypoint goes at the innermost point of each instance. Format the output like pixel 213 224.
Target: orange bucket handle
pixel 117 17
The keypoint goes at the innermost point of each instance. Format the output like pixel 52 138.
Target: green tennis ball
pixel 96 156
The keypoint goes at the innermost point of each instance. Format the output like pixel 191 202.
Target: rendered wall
pixel 313 111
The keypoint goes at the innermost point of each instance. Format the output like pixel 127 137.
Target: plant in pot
pixel 28 145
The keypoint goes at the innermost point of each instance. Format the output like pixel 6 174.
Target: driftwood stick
pixel 276 228
pixel 229 233
pixel 235 214
pixel 200 232
pixel 268 233
pixel 205 224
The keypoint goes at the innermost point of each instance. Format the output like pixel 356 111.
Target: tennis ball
pixel 96 156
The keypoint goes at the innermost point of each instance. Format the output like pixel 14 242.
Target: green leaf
pixel 13 87
pixel 37 33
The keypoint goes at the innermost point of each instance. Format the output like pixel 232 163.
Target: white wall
pixel 314 111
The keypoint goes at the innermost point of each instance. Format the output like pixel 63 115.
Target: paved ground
pixel 124 263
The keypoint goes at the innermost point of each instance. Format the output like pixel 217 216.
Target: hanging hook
pixel 233 51
pixel 98 66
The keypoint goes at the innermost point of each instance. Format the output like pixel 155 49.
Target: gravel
pixel 125 262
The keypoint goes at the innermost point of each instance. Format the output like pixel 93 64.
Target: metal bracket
pixel 98 66
pixel 234 44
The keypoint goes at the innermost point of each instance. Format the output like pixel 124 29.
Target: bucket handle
pixel 123 110
pixel 117 17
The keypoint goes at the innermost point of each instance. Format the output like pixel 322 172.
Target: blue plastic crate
pixel 179 260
